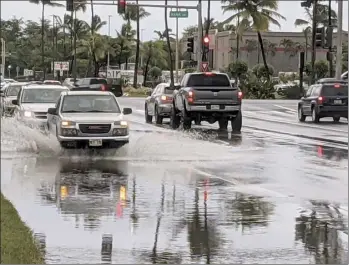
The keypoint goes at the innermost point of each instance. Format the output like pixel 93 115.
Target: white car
pixel 33 102
pixel 92 119
pixel 10 93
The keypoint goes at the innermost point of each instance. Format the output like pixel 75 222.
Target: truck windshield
pixel 333 90
pixel 205 80
pixel 41 95
pixel 90 103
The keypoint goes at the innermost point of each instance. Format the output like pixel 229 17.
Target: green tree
pixel 259 13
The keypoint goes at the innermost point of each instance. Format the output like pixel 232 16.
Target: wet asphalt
pixel 270 195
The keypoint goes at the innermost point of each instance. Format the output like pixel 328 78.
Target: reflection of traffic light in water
pixel 64 192
pixel 206 189
pixel 320 151
pixel 122 202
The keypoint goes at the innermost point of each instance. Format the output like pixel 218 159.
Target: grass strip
pixel 17 241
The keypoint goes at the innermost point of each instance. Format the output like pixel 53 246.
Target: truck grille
pixel 40 115
pixel 95 128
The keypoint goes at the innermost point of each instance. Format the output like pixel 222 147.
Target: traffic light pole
pixel 339 40
pixel 313 46
pixel 200 37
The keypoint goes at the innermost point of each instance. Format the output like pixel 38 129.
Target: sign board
pixel 112 73
pixel 17 69
pixel 204 66
pixel 179 14
pixel 28 72
pixel 64 66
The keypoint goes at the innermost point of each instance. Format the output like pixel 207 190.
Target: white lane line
pixel 252 189
pixel 286 108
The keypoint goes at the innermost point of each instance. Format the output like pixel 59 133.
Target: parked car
pixel 98 84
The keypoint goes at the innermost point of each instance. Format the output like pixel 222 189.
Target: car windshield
pixel 12 91
pixel 204 80
pixel 41 95
pixel 335 90
pixel 90 103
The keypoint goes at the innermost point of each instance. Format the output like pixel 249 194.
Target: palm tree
pixel 169 47
pixel 125 40
pixel 321 17
pixel 163 34
pixel 153 53
pixel 260 14
pixel 44 3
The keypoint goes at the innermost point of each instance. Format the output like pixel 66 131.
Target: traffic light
pixel 307 3
pixel 206 45
pixel 319 37
pixel 69 5
pixel 121 6
pixel 190 45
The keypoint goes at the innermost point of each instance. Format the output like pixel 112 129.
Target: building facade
pixel 281 48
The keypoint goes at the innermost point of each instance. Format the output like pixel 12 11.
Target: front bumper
pixel 104 139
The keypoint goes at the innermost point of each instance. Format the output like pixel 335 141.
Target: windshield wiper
pixel 70 111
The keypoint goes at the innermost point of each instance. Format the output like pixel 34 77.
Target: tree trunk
pixel 146 71
pixel 263 53
pixel 120 56
pixel 42 39
pixel 126 63
pixel 169 47
pixel 137 50
pixel 64 47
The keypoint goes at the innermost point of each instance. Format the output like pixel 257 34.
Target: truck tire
pixel 236 123
pixel 148 118
pixel 175 120
pixel 186 121
pixel 223 124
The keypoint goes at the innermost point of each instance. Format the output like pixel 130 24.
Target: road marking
pixel 238 183
pixel 282 107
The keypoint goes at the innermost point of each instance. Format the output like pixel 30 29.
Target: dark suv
pixel 324 100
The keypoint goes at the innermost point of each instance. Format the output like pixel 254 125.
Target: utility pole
pixel 177 46
pixel 313 47
pixel 199 41
pixel 53 46
pixel 328 39
pixel 339 41
pixel 74 66
pixel 108 63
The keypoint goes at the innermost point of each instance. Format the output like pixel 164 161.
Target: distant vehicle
pixel 207 97
pixel 9 80
pixel 91 119
pixel 159 102
pixel 52 82
pixel 324 100
pixel 10 93
pixel 331 81
pixel 97 84
pixel 69 82
pixel 33 102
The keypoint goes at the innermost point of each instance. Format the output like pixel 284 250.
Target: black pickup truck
pixel 206 97
pixel 98 84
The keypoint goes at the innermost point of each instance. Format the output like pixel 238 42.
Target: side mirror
pixel 127 111
pixel 15 102
pixel 149 93
pixel 52 111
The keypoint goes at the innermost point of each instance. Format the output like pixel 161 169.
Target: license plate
pixel 95 142
pixel 215 107
pixel 337 101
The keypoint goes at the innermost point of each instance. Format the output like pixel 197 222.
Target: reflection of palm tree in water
pixel 249 211
pixel 154 252
pixel 321 237
pixel 134 216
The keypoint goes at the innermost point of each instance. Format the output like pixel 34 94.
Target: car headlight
pixel 123 124
pixel 28 114
pixel 68 123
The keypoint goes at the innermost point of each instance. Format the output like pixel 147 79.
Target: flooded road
pixel 174 197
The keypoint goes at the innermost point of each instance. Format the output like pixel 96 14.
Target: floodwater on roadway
pixel 202 197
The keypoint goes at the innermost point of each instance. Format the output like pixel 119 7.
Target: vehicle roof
pixel 167 84
pixel 204 73
pixel 92 78
pixel 330 80
pixel 81 93
pixel 44 86
pixel 52 81
pixel 18 83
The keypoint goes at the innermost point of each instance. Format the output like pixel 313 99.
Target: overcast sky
pixel 23 9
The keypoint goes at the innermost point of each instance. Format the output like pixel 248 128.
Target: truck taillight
pixel 320 100
pixel 190 96
pixel 239 95
pixel 103 88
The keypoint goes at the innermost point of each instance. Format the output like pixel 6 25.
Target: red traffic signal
pixel 206 39
pixel 121 6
